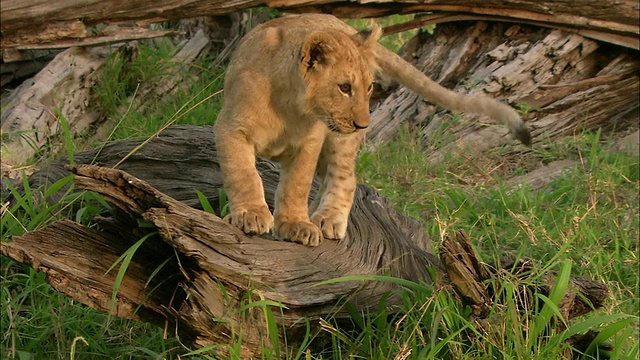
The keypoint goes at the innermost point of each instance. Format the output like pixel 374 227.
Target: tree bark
pixel 193 267
pixel 26 23
pixel 33 114
pixel 562 82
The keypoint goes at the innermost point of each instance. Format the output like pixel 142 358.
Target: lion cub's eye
pixel 370 88
pixel 345 88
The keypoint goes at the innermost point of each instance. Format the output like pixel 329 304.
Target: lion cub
pixel 297 92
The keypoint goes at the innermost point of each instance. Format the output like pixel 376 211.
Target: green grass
pixel 123 80
pixel 584 223
pixel 39 323
pixel 587 218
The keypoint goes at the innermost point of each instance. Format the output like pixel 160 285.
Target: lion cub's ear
pixel 368 43
pixel 316 51
pixel 369 38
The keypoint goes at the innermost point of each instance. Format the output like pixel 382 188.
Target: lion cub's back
pixel 306 23
pixel 284 36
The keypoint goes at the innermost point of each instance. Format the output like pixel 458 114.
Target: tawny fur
pixel 297 91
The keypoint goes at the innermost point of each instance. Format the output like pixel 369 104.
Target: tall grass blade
pixel 204 202
pixel 68 139
pixel 124 260
pixel 607 332
pixel 550 308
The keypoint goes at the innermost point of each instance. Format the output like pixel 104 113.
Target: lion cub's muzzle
pixel 345 126
pixel 346 129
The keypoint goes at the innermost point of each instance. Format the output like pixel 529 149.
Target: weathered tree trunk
pixel 23 21
pixel 32 115
pixel 211 270
pixel 563 83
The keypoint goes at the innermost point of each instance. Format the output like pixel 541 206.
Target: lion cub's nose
pixel 359 126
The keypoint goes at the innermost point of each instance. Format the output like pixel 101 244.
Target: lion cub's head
pixel 338 72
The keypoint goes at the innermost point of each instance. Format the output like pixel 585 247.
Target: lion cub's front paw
pixel 302 232
pixel 333 226
pixel 251 221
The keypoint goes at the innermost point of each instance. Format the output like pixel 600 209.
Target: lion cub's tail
pixel 397 68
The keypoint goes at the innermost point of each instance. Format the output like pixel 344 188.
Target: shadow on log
pixel 193 273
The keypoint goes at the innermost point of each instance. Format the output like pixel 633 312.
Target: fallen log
pixel 31 114
pixel 191 267
pixel 64 91
pixel 26 22
pixel 561 82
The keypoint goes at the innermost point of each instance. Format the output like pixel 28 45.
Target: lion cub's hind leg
pixel 336 170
